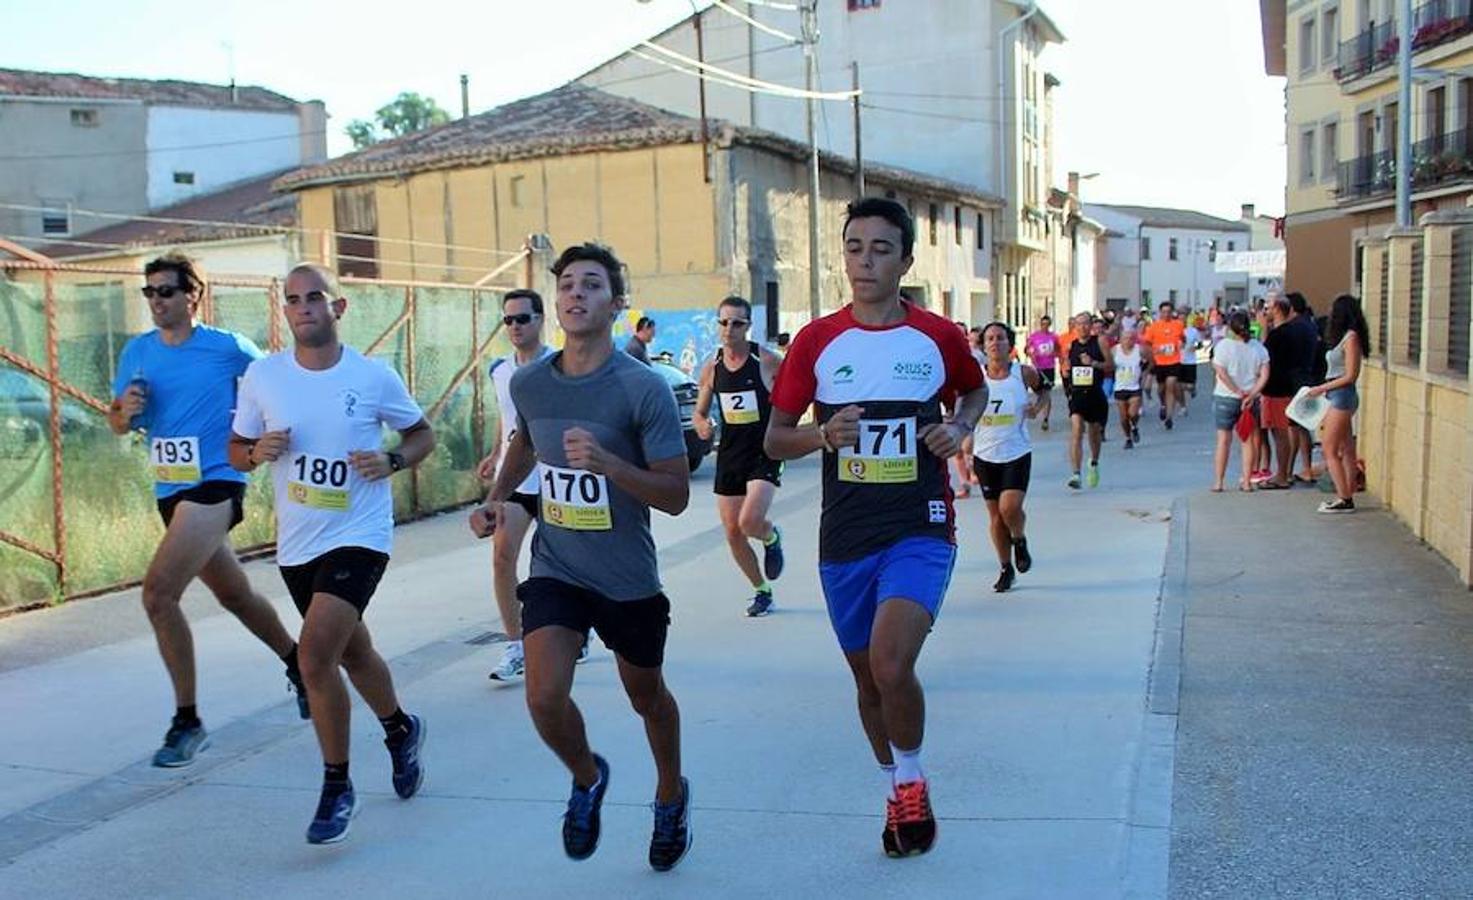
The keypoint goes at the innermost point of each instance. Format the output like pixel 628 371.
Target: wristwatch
pixel 396 461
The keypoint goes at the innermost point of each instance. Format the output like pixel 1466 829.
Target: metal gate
pixel 1414 308
pixel 1460 303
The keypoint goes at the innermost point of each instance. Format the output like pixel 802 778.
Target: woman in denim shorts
pixel 1240 370
pixel 1349 340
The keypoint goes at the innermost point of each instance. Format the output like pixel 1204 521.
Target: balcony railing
pixel 1438 160
pixel 1433 22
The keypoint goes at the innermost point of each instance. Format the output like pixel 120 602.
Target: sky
pixel 1165 99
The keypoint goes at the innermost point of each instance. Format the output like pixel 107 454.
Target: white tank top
pixel 1127 369
pixel 1002 432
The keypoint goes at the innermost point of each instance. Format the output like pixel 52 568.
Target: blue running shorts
pixel 917 569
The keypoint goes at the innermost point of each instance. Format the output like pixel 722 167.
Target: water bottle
pixel 141 383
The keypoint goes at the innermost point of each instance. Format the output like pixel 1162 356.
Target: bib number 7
pixel 884 453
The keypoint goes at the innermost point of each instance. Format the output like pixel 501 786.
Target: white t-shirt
pixel 501 372
pixel 321 503
pixel 1241 360
pixel 1190 339
pixel 1127 368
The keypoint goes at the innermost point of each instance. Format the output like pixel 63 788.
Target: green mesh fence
pixel 111 522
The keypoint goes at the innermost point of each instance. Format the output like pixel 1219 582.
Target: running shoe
pixel 581 821
pixel 181 743
pixel 335 811
pixel 1004 579
pixel 772 556
pixel 1073 481
pixel 513 665
pixel 1129 444
pixel 294 679
pixel 404 751
pixel 1168 425
pixel 1337 506
pixel 761 604
pixel 915 826
pixel 1161 413
pixel 1022 559
pixel 671 839
pixel 888 838
pixel 1092 478
pixel 1135 431
pixel 1044 425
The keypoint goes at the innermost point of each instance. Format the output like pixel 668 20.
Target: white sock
pixel 907 765
pixel 888 773
pixel 514 647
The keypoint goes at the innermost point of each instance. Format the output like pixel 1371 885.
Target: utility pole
pixel 465 96
pixel 810 54
pixel 1404 117
pixel 858 143
pixel 701 86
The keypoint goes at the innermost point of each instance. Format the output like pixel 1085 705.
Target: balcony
pixel 1437 161
pixel 1434 22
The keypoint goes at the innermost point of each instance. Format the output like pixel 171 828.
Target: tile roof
pixel 20 82
pixel 1165 217
pixel 244 203
pixel 574 119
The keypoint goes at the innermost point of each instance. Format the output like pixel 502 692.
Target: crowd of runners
pixel 590 441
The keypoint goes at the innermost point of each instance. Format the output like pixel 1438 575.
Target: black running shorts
pixel 734 471
pixel 526 501
pixel 634 629
pixel 207 493
pixel 995 478
pixel 1089 405
pixel 348 573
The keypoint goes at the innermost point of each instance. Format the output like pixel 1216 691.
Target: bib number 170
pixel 575 499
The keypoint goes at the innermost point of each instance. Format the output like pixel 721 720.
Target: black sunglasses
pixel 517 319
pixel 733 323
pixel 165 291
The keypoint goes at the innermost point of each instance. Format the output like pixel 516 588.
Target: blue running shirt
pixel 191 398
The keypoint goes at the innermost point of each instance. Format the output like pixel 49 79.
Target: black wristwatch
pixel 396 461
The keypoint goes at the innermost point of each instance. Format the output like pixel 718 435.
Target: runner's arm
pixel 665 485
pixel 770 362
pixel 516 465
pixel 701 418
pixel 124 407
pixel 785 440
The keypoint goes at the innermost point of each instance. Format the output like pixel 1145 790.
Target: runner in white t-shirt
pixel 521 315
pixel 1129 365
pixel 317 413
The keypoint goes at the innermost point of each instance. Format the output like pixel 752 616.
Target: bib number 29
pixel 885 453
pixel 575 499
pixel 318 482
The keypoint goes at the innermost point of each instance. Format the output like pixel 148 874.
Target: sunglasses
pixel 517 319
pixel 165 291
pixel 733 323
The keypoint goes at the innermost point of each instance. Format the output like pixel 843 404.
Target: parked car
pixel 25 411
pixel 686 391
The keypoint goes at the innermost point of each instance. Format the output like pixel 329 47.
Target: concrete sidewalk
pixel 1325 733
pixel 1051 778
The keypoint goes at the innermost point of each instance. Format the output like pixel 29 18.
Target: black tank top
pixel 744 402
pixel 1077 352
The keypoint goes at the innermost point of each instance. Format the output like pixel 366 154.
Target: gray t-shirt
pixel 638 350
pixel 591 533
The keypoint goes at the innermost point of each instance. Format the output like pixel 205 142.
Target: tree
pixel 407 113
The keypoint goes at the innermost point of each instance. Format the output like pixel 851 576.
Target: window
pixel 1145 248
pixel 355 218
pixel 1306 156
pixel 1171 295
pixel 956 221
pixel 84 118
pixel 1329 37
pixel 1435 115
pixel 981 233
pixel 774 306
pixel 1171 249
pixel 1146 297
pixel 1212 251
pixel 56 217
pixel 1306 45
pixel 934 214
pixel 1329 147
pixel 517 186
pixel 856 5
pixel 1232 245
pixel 184 178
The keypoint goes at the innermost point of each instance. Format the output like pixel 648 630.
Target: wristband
pixel 823 435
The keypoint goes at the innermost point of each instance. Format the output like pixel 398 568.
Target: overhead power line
pixel 683 63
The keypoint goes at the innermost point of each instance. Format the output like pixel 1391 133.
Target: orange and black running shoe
pixel 913 831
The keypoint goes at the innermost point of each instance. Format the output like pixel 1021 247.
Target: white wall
pixel 1192 274
pixel 241 145
pixel 1085 297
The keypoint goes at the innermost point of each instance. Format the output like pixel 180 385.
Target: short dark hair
pixel 1007 329
pixel 1298 302
pixel 591 252
pixel 328 277
pixel 186 269
pixel 643 323
pixel 1165 304
pixel 890 211
pixel 741 302
pixel 523 294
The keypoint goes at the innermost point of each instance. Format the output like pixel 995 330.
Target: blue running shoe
pixel 409 773
pixel 581 821
pixel 334 812
pixel 181 743
pixel 772 555
pixel 761 604
pixel 671 840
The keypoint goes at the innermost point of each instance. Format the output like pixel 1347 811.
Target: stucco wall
pixel 220 146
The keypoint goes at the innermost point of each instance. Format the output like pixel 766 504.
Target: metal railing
pixel 1440 159
pixel 1433 22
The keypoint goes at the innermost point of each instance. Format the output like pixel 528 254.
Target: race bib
pixel 740 408
pixel 175 460
pixel 1165 349
pixel 1125 376
pixel 1082 376
pixel 575 499
pixel 1045 349
pixel 317 482
pixel 999 413
pixel 884 454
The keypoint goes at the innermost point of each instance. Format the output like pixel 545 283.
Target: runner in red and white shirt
pixel 878 373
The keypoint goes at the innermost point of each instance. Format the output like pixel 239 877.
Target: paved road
pixel 1051 774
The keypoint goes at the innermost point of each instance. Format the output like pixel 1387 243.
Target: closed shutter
pixel 1414 308
pixel 1460 304
pixel 1385 299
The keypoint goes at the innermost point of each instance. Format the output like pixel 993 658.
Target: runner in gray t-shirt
pixel 604 436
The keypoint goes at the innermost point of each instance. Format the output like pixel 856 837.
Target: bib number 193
pixel 175 460
pixel 575 499
pixel 318 482
pixel 884 454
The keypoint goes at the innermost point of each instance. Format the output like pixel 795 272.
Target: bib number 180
pixel 318 482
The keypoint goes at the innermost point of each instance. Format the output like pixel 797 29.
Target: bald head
pixel 321 278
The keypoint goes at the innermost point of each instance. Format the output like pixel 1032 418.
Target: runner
pixel 605 436
pixel 1004 453
pixel 1186 373
pixel 1088 407
pixel 1127 359
pixel 1043 353
pixel 1165 337
pixel 741 374
pixel 316 414
pixel 877 373
pixel 177 384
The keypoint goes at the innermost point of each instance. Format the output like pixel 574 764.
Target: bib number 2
pixel 740 408
pixel 575 499
pixel 175 460
pixel 884 454
pixel 318 483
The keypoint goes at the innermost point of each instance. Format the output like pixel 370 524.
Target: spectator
pixel 644 335
pixel 1283 373
pixel 1241 369
pixel 1307 349
pixel 1349 339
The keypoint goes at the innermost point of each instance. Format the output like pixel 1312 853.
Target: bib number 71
pixel 884 453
